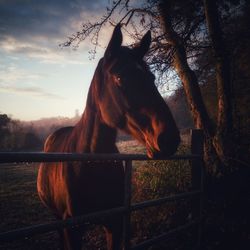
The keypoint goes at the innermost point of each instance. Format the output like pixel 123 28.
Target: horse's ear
pixel 115 42
pixel 144 45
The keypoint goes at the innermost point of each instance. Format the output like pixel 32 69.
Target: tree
pixel 4 131
pixel 188 77
pixel 223 137
pixel 179 108
pixel 182 31
pixel 31 141
pixel 14 136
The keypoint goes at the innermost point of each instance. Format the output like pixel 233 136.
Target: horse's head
pixel 129 100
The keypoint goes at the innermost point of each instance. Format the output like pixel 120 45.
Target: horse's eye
pixel 117 80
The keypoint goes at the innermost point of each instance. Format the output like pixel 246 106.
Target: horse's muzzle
pixel 167 145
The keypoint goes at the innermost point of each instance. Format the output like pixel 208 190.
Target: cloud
pixel 54 20
pixel 11 74
pixel 36 28
pixel 11 77
pixel 33 91
pixel 50 55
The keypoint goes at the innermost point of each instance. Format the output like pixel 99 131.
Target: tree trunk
pixel 192 90
pixel 218 139
pixel 187 76
pixel 222 140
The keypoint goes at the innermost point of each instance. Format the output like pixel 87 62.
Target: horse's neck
pixel 91 135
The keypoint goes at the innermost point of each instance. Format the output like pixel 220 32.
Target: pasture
pixel 20 205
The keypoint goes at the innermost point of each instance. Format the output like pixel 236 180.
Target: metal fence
pixel 197 172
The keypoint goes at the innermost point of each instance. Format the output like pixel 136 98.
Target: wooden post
pixel 197 172
pixel 127 204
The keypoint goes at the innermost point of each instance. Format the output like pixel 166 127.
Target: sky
pixel 38 78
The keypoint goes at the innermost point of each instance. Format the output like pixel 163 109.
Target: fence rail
pixel 196 158
pixel 19 157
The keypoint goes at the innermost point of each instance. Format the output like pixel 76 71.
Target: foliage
pixel 15 137
pixel 4 131
pixel 18 135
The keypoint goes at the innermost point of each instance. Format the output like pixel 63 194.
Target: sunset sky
pixel 37 78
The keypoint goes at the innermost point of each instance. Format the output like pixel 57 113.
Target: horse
pixel 122 97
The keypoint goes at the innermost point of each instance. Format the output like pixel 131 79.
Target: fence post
pixel 197 173
pixel 127 204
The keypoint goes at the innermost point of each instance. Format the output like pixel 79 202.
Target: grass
pixel 130 147
pixel 20 206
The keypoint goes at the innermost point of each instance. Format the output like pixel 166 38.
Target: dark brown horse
pixel 122 96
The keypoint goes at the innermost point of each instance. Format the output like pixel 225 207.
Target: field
pixel 20 205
